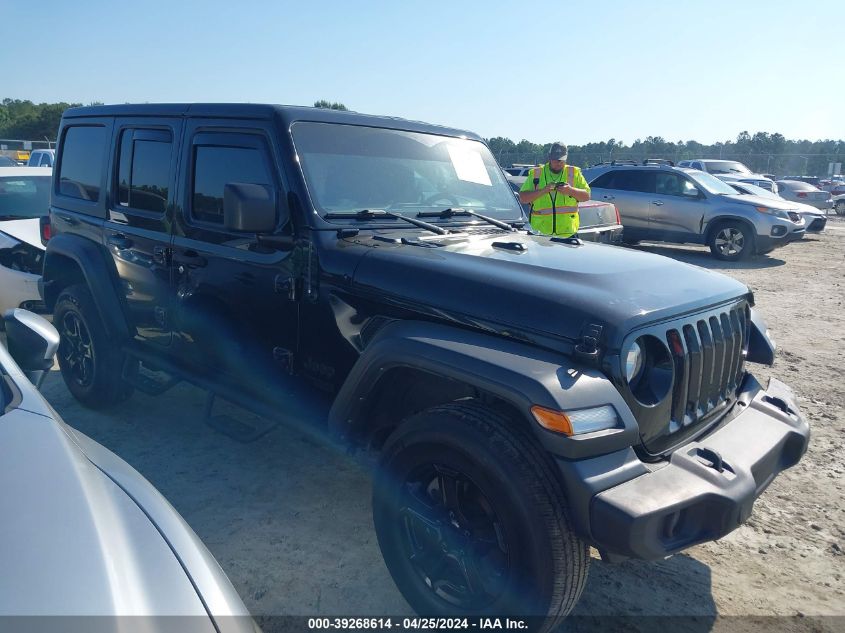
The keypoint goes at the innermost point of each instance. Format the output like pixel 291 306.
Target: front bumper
pixel 687 500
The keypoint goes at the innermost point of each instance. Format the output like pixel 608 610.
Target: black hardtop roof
pixel 288 115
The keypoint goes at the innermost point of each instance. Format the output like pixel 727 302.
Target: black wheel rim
pixel 453 537
pixel 76 350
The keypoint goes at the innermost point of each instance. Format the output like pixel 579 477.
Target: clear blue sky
pixel 577 72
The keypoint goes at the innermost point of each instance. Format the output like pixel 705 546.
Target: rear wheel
pixel 91 364
pixel 840 207
pixel 731 241
pixel 472 521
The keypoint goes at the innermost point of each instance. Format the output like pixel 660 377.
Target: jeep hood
pixel 528 285
pixel 74 543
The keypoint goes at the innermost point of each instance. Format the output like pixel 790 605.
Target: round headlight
pixel 633 362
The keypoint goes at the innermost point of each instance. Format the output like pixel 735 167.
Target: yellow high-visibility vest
pixel 554 213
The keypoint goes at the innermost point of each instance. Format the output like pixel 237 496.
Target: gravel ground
pixel 288 517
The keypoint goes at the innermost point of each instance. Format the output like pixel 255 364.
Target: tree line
pixel 762 152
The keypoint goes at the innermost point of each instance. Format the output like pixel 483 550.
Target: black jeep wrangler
pixel 529 396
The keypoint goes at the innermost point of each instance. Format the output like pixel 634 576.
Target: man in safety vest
pixel 554 191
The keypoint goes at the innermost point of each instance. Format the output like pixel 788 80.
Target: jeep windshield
pixel 348 168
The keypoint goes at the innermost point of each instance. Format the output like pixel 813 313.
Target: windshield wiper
pixel 374 214
pixel 448 213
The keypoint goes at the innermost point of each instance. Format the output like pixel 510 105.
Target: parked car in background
pixel 797 191
pixel 813 180
pixel 83 532
pixel 729 170
pixel 814 219
pixel 834 187
pixel 24 199
pixel 518 174
pixel 42 158
pixel 672 204
pixel 599 220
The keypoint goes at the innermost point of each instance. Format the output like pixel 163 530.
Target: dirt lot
pixel 288 517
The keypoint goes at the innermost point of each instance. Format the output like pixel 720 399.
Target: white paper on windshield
pixel 468 165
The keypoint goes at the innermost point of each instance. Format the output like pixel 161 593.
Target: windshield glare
pixel 24 196
pixel 711 184
pixel 350 168
pixel 726 167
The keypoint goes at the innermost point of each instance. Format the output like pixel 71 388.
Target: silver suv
pixel 672 204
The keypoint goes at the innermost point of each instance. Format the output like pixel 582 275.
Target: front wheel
pixel 731 241
pixel 472 521
pixel 840 207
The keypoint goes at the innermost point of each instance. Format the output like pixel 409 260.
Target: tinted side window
pixel 634 180
pixel 82 162
pixel 214 167
pixel 605 181
pixel 668 184
pixel 144 169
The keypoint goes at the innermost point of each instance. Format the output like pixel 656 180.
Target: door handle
pixel 67 218
pixel 609 197
pixel 119 240
pixel 189 257
pixel 657 203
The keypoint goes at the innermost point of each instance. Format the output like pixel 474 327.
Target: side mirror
pixel 32 342
pixel 691 193
pixel 249 208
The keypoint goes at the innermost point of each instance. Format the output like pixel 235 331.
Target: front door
pixel 237 314
pixel 677 209
pixel 137 230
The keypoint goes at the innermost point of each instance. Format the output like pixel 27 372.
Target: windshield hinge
pixel 587 350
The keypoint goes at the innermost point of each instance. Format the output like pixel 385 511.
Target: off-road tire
pixel 732 231
pixel 517 477
pixel 100 383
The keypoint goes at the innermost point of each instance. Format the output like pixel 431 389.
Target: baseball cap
pixel 557 151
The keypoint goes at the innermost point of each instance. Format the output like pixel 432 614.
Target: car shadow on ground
pixel 645 596
pixel 702 257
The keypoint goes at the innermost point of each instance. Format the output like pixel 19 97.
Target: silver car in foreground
pixel 81 532
pixel 670 204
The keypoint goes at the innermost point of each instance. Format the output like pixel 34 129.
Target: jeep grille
pixel 707 352
pixel 708 358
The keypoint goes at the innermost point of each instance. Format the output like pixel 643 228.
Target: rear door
pixel 237 316
pixel 630 190
pixel 137 230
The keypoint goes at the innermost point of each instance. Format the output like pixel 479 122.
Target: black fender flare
pixel 515 372
pixel 95 269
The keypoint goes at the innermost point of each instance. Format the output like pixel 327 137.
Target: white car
pixel 730 171
pixel 814 219
pixel 42 158
pixel 24 198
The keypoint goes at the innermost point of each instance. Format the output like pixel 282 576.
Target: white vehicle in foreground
pixel 24 199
